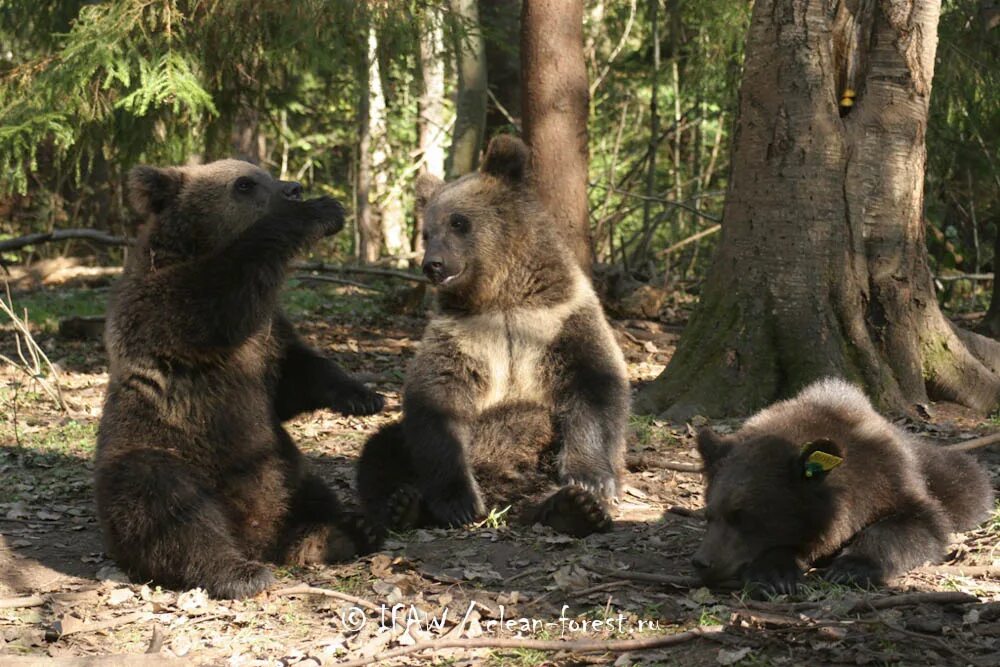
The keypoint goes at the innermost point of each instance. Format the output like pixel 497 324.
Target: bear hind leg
pixel 320 530
pixel 163 523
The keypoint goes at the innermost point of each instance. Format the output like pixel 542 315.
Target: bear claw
pixel 574 510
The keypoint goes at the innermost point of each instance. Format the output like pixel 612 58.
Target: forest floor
pixel 61 596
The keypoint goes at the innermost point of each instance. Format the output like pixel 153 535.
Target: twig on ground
pixel 687 511
pixel 681 467
pixel 305 589
pixel 571 646
pixel 70 625
pixel 338 281
pixel 156 641
pixel 124 660
pixel 973 571
pixel 677 581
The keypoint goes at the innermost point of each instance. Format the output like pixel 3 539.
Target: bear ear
pixel 819 457
pixel 508 158
pixel 713 448
pixel 426 187
pixel 150 189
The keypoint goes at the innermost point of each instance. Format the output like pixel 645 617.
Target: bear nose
pixel 293 190
pixel 701 563
pixel 433 268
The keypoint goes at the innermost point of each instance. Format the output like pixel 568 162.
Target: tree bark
pixel 555 104
pixel 822 266
pixel 470 104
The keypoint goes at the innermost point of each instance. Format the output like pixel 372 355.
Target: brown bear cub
pixel 823 479
pixel 196 479
pixel 518 394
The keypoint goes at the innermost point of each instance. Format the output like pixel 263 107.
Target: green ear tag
pixel 821 462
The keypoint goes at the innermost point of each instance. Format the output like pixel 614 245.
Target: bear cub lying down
pixel 518 393
pixel 823 479
pixel 196 479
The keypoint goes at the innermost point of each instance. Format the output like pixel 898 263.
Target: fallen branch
pixel 305 589
pixel 680 510
pixel 362 270
pixel 63 235
pixel 975 443
pixel 870 603
pixel 572 646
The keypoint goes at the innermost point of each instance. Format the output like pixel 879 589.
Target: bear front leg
pixel 591 398
pixel 387 483
pixel 436 442
pixel 309 381
pixel 916 533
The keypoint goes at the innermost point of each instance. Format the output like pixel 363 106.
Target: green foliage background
pixel 88 89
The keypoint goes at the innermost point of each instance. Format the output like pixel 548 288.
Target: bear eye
pixel 459 223
pixel 244 184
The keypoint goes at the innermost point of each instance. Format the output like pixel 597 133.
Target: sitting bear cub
pixel 196 479
pixel 518 394
pixel 823 479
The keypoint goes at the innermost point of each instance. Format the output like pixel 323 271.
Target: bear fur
pixel 886 508
pixel 196 480
pixel 518 393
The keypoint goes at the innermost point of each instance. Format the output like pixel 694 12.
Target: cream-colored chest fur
pixel 511 346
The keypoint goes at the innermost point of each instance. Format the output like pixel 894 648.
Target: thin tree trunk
pixel 470 105
pixel 368 232
pixel 822 268
pixel 388 206
pixel 654 135
pixel 556 100
pixel 990 326
pixel 431 122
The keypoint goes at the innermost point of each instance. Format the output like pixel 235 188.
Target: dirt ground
pixel 489 584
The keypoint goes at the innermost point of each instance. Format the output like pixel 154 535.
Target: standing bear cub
pixel 823 479
pixel 196 479
pixel 518 393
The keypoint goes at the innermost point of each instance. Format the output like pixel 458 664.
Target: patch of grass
pixel 708 616
pixel 308 299
pixel 46 307
pixel 642 427
pixel 497 518
pixel 71 437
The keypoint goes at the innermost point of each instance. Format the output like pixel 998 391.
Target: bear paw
pixel 241 581
pixel 604 486
pixel 766 580
pixel 357 400
pixel 403 509
pixel 574 510
pixel 362 537
pixel 854 571
pixel 460 507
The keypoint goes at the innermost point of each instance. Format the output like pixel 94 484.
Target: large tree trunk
pixel 555 103
pixel 822 267
pixel 470 104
